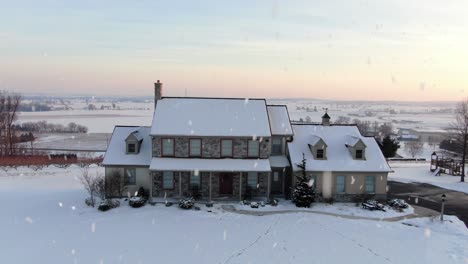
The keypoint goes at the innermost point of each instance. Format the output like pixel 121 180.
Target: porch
pixel 210 179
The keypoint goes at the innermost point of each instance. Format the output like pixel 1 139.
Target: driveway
pixel 429 196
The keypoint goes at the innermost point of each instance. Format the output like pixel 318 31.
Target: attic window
pixel 131 148
pixel 359 154
pixel 319 154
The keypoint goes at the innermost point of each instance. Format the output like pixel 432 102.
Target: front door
pixel 277 182
pixel 225 183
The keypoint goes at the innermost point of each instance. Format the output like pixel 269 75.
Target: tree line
pixel 9 107
pixel 45 127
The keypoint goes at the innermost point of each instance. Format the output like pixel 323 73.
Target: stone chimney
pixel 157 92
pixel 326 119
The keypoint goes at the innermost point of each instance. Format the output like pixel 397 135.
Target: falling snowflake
pixel 28 220
pixel 427 232
pixel 93 227
pixel 225 235
pixel 60 204
pixel 246 101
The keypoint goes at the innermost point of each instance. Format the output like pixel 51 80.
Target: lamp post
pixel 442 208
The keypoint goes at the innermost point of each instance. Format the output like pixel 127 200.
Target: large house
pixel 232 148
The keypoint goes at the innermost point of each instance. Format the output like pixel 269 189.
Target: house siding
pixel 142 180
pixel 355 184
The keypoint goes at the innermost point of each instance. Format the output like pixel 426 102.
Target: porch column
pixel 180 184
pixel 240 186
pixel 151 187
pixel 210 184
pixel 268 185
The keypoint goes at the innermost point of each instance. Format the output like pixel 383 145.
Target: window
pixel 340 184
pixel 195 180
pixel 130 176
pixel 168 180
pixel 370 184
pixel 277 146
pixel 195 147
pixel 319 153
pixel 359 154
pixel 226 148
pixel 253 148
pixel 252 180
pixel 275 176
pixel 131 148
pixel 168 147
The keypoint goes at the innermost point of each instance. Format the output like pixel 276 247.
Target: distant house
pixel 424 135
pixel 218 148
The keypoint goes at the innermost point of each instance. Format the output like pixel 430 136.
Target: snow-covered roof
pixel 210 117
pixel 351 140
pixel 279 161
pixel 338 156
pixel 116 151
pixel 279 120
pixel 226 165
pixel 314 140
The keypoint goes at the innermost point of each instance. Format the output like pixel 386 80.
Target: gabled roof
pixel 279 120
pixel 116 151
pixel 338 156
pixel 210 117
pixel 135 135
pixel 352 141
pixel 316 139
pixel 326 115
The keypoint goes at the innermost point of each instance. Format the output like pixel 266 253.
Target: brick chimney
pixel 326 119
pixel 157 92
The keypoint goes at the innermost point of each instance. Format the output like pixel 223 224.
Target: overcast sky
pixel 330 49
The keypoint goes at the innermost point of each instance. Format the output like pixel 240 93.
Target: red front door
pixel 225 183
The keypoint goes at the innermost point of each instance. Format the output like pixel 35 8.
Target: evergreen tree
pixel 389 147
pixel 304 191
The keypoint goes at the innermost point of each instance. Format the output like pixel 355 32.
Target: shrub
pixel 186 203
pixel 136 202
pixel 108 204
pixel 90 201
pixel 330 200
pixel 360 198
pixel 143 193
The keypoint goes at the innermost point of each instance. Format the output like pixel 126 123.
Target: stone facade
pixel 184 189
pixel 211 147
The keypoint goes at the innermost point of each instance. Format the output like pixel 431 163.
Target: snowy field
pixel 420 172
pixel 44 220
pixel 426 116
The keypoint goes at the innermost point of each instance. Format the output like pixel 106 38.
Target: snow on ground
pixel 426 151
pixel 43 219
pixel 348 209
pixel 420 172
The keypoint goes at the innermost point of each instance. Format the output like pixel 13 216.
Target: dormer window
pixel 359 154
pixel 131 148
pixel 319 154
pixel 133 142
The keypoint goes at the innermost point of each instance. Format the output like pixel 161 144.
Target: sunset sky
pixel 346 50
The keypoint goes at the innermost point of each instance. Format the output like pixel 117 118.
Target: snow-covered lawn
pixel 345 209
pixel 420 172
pixel 44 220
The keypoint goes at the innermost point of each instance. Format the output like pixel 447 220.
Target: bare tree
pixel 9 104
pixel 93 184
pixel 343 120
pixel 414 148
pixel 459 131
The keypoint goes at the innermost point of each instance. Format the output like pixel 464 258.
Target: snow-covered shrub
pixel 108 204
pixel 274 202
pixel 360 198
pixel 397 204
pixel 136 201
pixel 373 205
pixel 254 204
pixel 330 200
pixel 186 203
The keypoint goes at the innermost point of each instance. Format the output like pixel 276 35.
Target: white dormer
pixel 356 147
pixel 318 148
pixel 133 142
